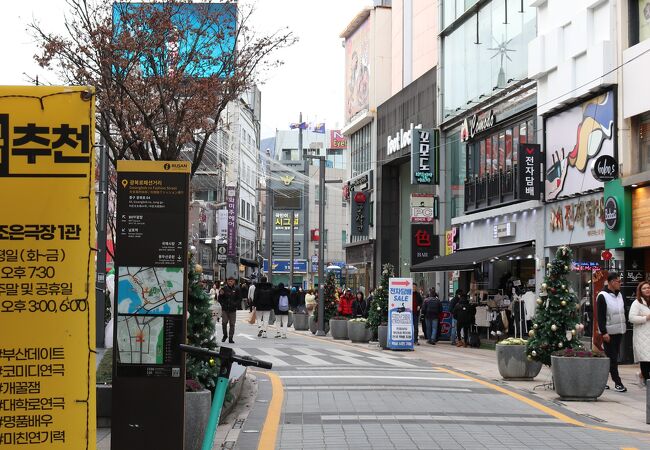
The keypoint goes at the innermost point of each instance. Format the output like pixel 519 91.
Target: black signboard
pixel 360 213
pixel 425 145
pixel 150 304
pixel 611 213
pixel 529 171
pixel 424 243
pixel 605 168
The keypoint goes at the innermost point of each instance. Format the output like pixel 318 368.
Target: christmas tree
pixel 555 324
pixel 200 329
pixel 331 299
pixel 378 313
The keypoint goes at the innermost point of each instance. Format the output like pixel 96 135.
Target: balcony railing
pixel 491 190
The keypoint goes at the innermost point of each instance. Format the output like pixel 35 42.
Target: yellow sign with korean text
pixel 47 268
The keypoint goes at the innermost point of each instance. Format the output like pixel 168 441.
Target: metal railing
pixel 491 190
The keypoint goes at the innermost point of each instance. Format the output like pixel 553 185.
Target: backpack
pixel 283 303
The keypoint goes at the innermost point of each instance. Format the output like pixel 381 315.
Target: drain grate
pixel 238 424
pixel 597 419
pixel 228 445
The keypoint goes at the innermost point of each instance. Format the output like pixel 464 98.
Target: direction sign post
pixel 400 313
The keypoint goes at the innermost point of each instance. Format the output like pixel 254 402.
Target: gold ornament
pixel 535 326
pixel 554 327
pixel 530 358
pixel 531 333
pixel 534 353
pixel 544 286
pixel 539 301
pixel 198 268
pixel 563 303
pixel 560 345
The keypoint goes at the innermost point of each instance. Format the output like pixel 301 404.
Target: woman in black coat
pixel 359 307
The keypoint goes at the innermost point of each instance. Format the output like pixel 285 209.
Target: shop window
pixel 644 141
pixel 522 133
pixel 495 154
pixel 481 167
pixel 344 236
pixel 502 151
pixel 639 29
pixel 509 158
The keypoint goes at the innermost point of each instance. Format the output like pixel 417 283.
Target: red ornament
pixel 360 197
pixel 606 255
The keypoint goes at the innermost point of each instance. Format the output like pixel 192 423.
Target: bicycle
pixel 226 356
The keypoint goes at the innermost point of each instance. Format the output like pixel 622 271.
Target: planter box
pixel 580 379
pixel 104 399
pixel 197 411
pixel 514 364
pixel 357 332
pixel 382 336
pixel 339 328
pixel 313 326
pixel 300 322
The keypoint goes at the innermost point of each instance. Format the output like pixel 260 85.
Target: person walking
pixel 282 307
pixel 229 298
pixel 453 333
pixel 464 313
pixel 263 301
pixel 640 318
pixel 417 305
pixel 359 306
pixel 294 300
pixel 250 296
pixel 345 303
pixel 369 302
pixel 215 307
pixel 431 309
pixel 612 324
pixel 310 301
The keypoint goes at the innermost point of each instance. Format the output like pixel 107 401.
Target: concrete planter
pixel 197 411
pixel 300 322
pixel 104 396
pixel 514 364
pixel 579 379
pixel 339 328
pixel 313 326
pixel 382 332
pixel 357 332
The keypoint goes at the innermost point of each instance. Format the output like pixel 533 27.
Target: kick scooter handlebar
pixel 226 353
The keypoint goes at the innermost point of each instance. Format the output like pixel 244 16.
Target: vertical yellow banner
pixel 47 298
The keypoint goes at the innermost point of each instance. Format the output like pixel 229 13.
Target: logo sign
pixel 452 240
pixel 231 206
pixel 346 191
pixel 360 212
pixel 611 213
pixel 605 168
pixel 474 125
pixel 606 255
pixel 503 230
pixel 338 141
pixel 529 172
pixel 400 313
pixel 424 157
pixel 287 179
pixel 424 207
pixel 47 388
pixel 222 250
pixel 401 140
pixel 424 243
pixel 361 183
pixel 284 265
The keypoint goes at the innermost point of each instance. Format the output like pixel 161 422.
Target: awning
pixel 248 262
pixel 468 259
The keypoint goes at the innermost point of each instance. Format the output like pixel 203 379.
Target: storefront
pixel 407 178
pixel 360 251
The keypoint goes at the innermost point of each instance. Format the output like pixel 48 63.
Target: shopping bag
pixel 290 319
pixel 272 317
pixel 253 317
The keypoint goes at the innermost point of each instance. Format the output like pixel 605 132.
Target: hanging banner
pixel 360 213
pixel 400 314
pixel 47 268
pixel 151 292
pixel 425 245
pixel 231 204
pixel 425 145
pixel 529 171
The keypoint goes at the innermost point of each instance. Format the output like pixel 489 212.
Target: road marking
pixel 247 336
pixel 312 360
pixel 269 434
pixel 375 387
pixel 272 351
pixel 241 352
pixel 537 405
pixel 276 361
pixel 309 351
pixel 392 362
pixel 352 360
pixel 428 417
pixel 383 377
pixel 338 351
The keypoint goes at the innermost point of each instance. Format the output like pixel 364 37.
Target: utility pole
pixel 102 210
pixel 269 219
pixel 321 245
pixel 291 248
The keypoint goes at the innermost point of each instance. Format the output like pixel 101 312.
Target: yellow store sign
pixel 47 291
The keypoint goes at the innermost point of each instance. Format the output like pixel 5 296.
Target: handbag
pixel 272 317
pixel 253 317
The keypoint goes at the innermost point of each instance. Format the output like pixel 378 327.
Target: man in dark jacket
pixel 417 305
pixel 229 297
pixel 454 324
pixel 464 313
pixel 263 301
pixel 431 309
pixel 612 324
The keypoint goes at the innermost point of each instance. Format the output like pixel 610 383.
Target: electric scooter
pixel 226 356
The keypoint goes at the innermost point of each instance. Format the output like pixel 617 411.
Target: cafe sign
pixel 474 125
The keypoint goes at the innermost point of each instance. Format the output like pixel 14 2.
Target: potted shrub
pixel 199 372
pixel 579 374
pixel 378 312
pixel 339 327
pixel 513 361
pixel 357 331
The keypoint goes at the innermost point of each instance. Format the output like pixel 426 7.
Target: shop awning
pixel 468 259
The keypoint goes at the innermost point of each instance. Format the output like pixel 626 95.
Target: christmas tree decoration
pixel 539 301
pixel 531 333
pixel 331 299
pixel 378 314
pixel 200 329
pixel 535 326
pixel 557 319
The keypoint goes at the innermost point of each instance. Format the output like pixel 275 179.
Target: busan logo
pixel 167 166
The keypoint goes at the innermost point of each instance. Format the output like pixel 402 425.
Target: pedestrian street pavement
pixel 337 396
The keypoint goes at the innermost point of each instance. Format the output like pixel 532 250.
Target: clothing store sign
pixel 400 314
pixel 424 157
pixel 476 124
pixel 424 243
pixel 402 139
pixel 529 171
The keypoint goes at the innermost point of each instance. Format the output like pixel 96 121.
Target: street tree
pixel 378 313
pixel 164 71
